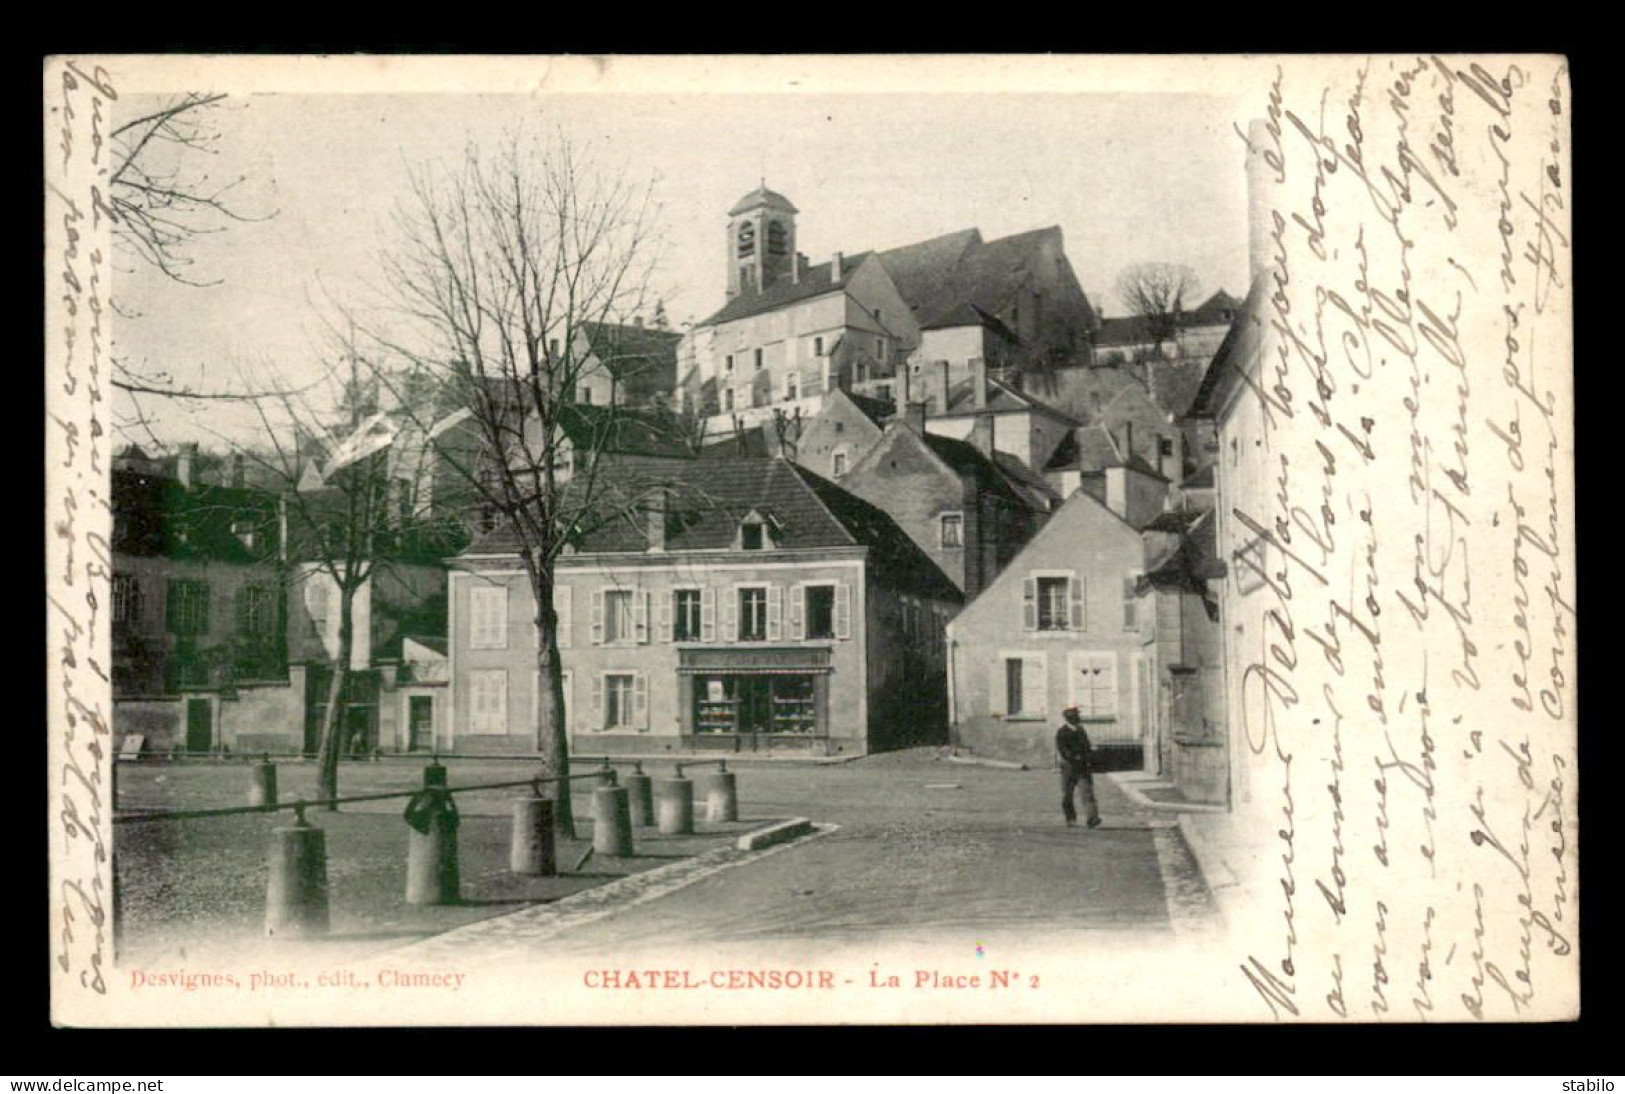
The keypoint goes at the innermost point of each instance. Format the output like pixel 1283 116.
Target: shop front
pixel 754 700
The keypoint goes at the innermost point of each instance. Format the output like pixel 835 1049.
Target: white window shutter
pixel 1037 670
pixel 499 704
pixel 997 682
pixel 1074 586
pixel 640 615
pixel 708 615
pixel 775 612
pixel 598 618
pixel 730 619
pixel 798 612
pixel 597 700
pixel 1029 604
pixel 640 701
pixel 562 605
pixel 843 610
pixel 568 684
pixel 667 607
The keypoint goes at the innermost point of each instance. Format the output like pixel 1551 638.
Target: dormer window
pixel 757 532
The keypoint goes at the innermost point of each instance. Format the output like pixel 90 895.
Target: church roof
pixel 759 197
pixel 938 278
pixel 814 281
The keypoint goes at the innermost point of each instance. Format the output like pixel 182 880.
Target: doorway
pixel 420 723
pixel 199 725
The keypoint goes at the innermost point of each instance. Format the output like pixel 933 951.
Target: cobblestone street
pixel 916 846
pixel 908 845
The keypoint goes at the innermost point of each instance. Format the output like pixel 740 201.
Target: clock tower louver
pixel 761 242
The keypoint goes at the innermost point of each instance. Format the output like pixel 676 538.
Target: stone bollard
pixel 722 797
pixel 431 848
pixel 296 898
pixel 262 783
pixel 533 851
pixel 674 806
pixel 641 792
pixel 612 822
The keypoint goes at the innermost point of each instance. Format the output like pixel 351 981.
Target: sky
pixel 1129 179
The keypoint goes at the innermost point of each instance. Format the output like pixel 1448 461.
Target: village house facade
pixel 1100 611
pixel 198 606
pixel 954 499
pixel 750 606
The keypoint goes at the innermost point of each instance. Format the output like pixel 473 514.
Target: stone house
pixel 954 499
pixel 741 605
pixel 198 610
pixel 1098 611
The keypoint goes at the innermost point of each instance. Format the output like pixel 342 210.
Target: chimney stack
pixel 983 434
pixel 655 513
pixel 835 270
pixel 237 470
pixel 978 381
pixel 900 392
pixel 186 464
pixel 637 321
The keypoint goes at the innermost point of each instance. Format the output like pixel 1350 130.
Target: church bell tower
pixel 761 242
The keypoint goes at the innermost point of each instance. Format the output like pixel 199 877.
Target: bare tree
pixel 504 268
pixel 163 194
pixel 1156 292
pixel 333 467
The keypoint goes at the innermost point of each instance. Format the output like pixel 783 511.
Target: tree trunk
pixel 327 757
pixel 552 733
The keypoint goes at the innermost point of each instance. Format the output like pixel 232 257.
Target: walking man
pixel 1073 750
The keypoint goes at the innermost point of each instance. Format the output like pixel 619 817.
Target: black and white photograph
pixel 803 540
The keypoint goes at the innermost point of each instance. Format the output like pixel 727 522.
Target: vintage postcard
pixel 810 540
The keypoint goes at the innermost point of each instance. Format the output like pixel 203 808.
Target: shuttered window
pixel 488 701
pixel 488 617
pixel 187 607
pixel 1018 685
pixel 1094 684
pixel 1052 601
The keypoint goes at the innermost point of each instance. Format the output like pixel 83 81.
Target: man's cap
pixel 1072 711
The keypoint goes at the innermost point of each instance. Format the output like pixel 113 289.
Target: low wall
pixel 1200 769
pixel 160 721
pixel 262 718
pixel 1032 742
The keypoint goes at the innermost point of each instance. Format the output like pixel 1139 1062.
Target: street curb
pixel 782 832
pixel 539 922
pixel 979 761
pixel 1221 881
pixel 1125 782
